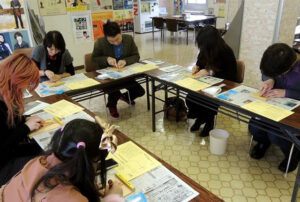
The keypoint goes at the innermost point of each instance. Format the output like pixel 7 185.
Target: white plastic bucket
pixel 218 141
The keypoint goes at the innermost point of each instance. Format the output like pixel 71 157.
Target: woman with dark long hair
pixel 52 57
pixel 215 59
pixel 17 73
pixel 5 49
pixel 67 171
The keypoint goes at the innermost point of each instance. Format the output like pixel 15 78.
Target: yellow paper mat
pixel 267 110
pixel 132 160
pixel 63 108
pixel 82 84
pixel 192 84
pixel 143 68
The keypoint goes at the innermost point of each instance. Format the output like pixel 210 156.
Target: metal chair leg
pixel 289 160
pixel 129 102
pixel 296 186
pixel 251 140
pixel 104 97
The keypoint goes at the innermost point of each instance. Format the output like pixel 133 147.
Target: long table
pixel 286 128
pixel 204 194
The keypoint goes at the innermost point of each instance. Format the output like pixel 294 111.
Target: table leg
pixel 296 186
pixel 153 103
pixel 152 29
pixel 147 93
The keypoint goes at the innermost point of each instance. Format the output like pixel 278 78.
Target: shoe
pixel 293 165
pixel 114 112
pixel 259 150
pixel 196 125
pixel 127 101
pixel 208 127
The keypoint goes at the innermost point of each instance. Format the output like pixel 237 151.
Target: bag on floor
pixel 175 109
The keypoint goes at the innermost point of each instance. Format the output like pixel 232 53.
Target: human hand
pixel 275 93
pixel 195 69
pixel 56 77
pixel 50 75
pixel 112 62
pixel 121 63
pixel 114 188
pixel 266 86
pixel 34 122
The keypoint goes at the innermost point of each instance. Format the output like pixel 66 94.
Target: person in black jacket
pixel 215 59
pixel 17 73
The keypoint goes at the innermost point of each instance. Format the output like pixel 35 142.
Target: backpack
pixel 175 109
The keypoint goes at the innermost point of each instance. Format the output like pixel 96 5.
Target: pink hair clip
pixel 79 144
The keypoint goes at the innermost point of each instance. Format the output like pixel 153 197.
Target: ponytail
pixel 77 146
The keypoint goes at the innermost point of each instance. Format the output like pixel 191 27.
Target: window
pixel 195 5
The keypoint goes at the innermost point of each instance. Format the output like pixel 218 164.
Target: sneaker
pixel 124 99
pixel 259 150
pixel 114 112
pixel 207 128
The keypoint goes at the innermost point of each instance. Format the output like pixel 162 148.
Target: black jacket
pixel 227 65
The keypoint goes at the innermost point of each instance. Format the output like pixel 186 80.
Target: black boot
pixel 209 125
pixel 196 125
pixel 293 163
pixel 259 150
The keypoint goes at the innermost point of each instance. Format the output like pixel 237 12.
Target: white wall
pixel 62 23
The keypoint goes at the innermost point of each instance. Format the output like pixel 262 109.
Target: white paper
pixel 43 90
pixel 35 106
pixel 171 68
pixel 239 96
pixel 160 184
pixel 44 139
pixel 26 94
pixel 82 29
pixel 210 80
pixel 153 61
pixel 286 103
pixel 74 78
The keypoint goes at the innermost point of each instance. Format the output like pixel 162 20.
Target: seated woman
pixel 52 58
pixel 17 73
pixel 67 171
pixel 280 67
pixel 215 59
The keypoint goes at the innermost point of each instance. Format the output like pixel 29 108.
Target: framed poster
pixel 52 7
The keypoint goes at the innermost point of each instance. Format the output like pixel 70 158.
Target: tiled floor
pixel 233 176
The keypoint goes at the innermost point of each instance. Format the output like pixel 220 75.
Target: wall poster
pixel 101 5
pixel 81 26
pixel 99 19
pixel 78 5
pixel 52 7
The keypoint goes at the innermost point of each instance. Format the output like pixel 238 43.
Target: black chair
pixel 174 25
pixel 158 23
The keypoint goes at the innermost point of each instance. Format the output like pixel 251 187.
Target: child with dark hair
pixel 52 57
pixel 117 50
pixel 67 171
pixel 280 67
pixel 215 59
pixel 20 43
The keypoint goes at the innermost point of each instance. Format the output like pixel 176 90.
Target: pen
pixel 125 181
pixel 58 120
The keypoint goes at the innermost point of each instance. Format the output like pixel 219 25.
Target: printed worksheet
pixel 210 80
pixel 160 184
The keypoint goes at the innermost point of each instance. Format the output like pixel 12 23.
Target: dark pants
pixel 266 138
pixel 18 157
pixel 134 88
pixel 199 112
pixel 20 19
